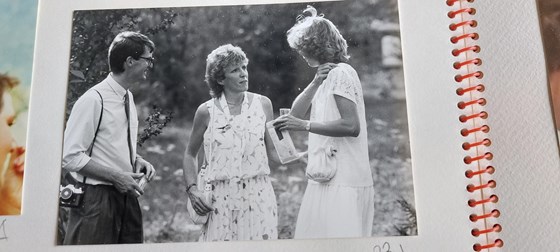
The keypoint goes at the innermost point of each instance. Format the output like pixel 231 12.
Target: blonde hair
pixel 317 37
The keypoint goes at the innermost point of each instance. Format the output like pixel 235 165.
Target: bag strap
pixel 211 127
pixel 96 130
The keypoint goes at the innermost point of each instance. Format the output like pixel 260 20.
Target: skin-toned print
pixel 549 12
pixel 16 53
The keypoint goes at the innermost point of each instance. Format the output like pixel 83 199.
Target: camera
pixel 71 196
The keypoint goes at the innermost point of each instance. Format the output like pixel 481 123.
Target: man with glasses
pixel 100 149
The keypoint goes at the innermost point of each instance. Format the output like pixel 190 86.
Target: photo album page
pixel 292 125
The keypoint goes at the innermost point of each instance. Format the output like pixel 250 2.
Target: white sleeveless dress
pixel 245 204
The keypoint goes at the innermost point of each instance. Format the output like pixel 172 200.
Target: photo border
pixel 439 190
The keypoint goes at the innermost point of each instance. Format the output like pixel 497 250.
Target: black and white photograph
pixel 236 122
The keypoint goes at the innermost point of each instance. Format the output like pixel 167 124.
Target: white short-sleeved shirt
pixel 352 152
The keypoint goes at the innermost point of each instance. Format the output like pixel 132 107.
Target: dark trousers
pixel 107 217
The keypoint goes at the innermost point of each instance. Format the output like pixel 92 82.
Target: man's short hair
pixel 127 44
pixel 217 61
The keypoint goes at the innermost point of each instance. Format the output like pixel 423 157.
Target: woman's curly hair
pixel 6 82
pixel 216 63
pixel 317 37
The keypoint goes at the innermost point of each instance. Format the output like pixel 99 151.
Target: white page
pixel 439 180
pixel 526 152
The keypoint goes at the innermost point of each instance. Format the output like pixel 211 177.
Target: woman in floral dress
pixel 231 128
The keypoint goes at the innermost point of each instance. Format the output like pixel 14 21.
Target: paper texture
pixel 525 152
pixel 438 175
pixel 524 143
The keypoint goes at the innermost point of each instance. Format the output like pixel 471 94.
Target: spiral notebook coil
pixel 475 131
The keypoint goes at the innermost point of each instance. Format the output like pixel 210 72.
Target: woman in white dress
pixel 337 203
pixel 231 126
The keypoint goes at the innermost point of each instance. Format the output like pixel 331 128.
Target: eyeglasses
pixel 150 60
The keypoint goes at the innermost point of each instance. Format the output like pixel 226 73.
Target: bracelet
pixel 189 187
pixel 308 126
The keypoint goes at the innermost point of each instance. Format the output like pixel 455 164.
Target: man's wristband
pixel 308 126
pixel 189 186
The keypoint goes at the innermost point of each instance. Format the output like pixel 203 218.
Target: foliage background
pixel 185 36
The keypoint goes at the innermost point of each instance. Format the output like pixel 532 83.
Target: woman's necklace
pixel 237 107
pixel 234 103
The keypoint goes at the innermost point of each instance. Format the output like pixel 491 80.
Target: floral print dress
pixel 244 201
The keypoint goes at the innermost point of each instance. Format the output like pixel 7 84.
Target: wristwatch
pixel 308 125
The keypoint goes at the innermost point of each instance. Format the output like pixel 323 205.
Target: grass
pixel 164 201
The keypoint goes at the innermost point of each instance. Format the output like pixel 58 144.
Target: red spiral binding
pixel 457 52
pixel 471 23
pixel 463 105
pixel 474 115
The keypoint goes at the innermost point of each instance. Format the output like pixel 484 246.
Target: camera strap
pixel 96 130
